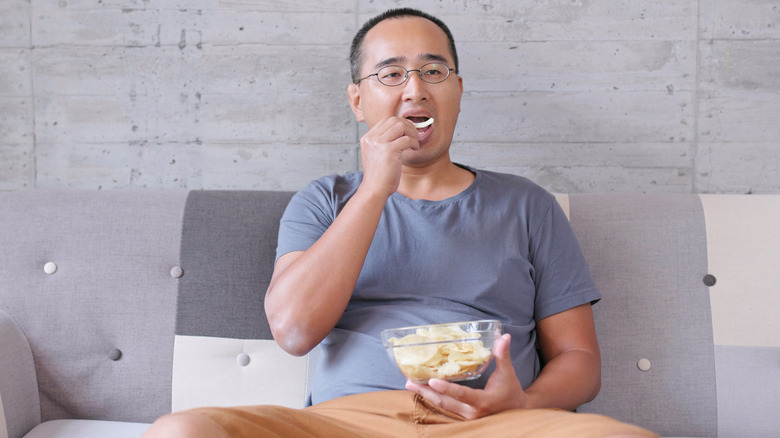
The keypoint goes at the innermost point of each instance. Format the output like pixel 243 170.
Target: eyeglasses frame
pixel 406 75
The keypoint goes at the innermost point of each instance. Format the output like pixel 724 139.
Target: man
pixel 413 239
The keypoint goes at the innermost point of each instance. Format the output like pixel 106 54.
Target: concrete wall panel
pixel 581 96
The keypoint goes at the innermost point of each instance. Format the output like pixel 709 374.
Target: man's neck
pixel 436 182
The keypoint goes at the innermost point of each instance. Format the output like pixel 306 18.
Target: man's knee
pixel 183 424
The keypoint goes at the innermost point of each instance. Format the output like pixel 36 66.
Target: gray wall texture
pixel 677 96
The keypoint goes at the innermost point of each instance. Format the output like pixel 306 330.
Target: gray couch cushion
pixel 748 390
pixel 660 314
pixel 227 250
pixel 109 293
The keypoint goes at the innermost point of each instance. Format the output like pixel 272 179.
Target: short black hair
pixel 356 57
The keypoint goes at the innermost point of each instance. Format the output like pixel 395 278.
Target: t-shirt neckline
pixel 466 192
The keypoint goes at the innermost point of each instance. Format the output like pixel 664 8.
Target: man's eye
pixel 433 72
pixel 391 75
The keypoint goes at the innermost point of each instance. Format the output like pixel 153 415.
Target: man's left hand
pixel 502 392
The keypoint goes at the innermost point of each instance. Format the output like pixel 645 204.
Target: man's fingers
pixel 456 398
pixel 425 391
pixel 398 132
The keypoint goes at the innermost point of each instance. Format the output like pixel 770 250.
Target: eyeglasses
pixel 395 75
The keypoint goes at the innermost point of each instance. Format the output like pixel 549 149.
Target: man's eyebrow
pixel 432 57
pixel 400 60
pixel 391 61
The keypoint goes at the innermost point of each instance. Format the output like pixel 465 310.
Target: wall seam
pixel 697 99
pixel 32 99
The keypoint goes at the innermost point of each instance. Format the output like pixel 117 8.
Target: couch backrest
pixel 136 303
pixel 688 325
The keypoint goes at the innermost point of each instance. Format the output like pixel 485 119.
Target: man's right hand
pixel 381 149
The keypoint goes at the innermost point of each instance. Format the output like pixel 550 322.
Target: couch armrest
pixel 20 407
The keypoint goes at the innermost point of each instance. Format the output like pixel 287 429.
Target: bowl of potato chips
pixel 455 351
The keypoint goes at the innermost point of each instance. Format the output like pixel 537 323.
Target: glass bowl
pixel 454 351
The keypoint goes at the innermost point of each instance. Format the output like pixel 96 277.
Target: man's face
pixel 409 42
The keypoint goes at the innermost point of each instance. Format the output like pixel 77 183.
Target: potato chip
pixel 424 124
pixel 448 369
pixel 416 355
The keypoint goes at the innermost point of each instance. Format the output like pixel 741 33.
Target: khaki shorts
pixel 405 414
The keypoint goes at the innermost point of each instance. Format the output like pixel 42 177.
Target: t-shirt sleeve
pixel 307 216
pixel 561 274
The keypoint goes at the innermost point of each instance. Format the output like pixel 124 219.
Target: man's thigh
pixel 381 414
pixel 399 414
pixel 539 423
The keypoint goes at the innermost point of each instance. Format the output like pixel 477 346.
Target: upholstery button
pixel 177 272
pixel 243 359
pixel 709 280
pixel 115 354
pixel 643 364
pixel 50 268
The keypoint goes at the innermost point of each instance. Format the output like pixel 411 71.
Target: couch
pixel 119 306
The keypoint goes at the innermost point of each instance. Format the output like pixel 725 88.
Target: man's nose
pixel 415 88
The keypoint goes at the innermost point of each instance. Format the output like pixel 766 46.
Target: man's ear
pixel 353 92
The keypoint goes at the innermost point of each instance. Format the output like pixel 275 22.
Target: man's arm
pixel 310 289
pixel 571 375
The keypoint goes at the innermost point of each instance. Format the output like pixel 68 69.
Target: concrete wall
pixel 675 96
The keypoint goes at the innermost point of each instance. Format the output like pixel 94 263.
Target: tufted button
pixel 643 364
pixel 115 354
pixel 243 359
pixel 177 272
pixel 50 268
pixel 709 280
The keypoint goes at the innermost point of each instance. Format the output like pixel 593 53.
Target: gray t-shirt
pixel 501 249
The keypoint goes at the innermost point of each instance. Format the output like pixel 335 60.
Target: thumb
pixel 501 351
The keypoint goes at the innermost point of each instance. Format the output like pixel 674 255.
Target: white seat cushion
pixel 87 429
